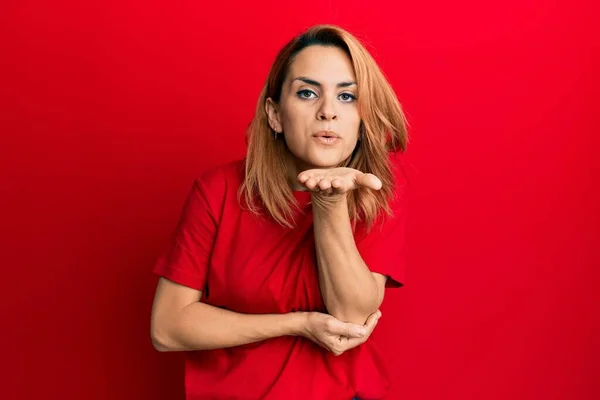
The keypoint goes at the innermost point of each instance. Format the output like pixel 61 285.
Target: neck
pixel 294 167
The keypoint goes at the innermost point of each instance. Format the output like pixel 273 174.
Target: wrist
pixel 298 323
pixel 323 202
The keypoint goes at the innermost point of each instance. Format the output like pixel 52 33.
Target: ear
pixel 273 115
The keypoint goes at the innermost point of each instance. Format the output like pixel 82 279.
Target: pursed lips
pixel 326 134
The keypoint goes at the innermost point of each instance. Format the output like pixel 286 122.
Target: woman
pixel 278 266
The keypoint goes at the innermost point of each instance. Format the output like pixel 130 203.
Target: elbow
pixel 352 317
pixel 355 312
pixel 355 315
pixel 160 339
pixel 159 345
pixel 357 309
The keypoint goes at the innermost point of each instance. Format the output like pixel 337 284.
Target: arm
pixel 353 275
pixel 351 292
pixel 181 322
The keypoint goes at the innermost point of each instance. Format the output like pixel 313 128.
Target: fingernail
pixel 362 331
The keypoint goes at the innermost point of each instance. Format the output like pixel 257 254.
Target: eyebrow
pixel 315 83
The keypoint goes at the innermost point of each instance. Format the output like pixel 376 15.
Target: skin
pixel 181 322
pixel 352 294
pixel 319 94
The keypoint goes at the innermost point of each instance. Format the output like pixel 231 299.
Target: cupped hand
pixel 337 336
pixel 337 181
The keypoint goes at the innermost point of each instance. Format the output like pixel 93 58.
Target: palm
pixel 337 180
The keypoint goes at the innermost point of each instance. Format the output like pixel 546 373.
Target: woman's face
pixel 318 112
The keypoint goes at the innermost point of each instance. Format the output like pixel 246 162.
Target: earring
pixel 276 135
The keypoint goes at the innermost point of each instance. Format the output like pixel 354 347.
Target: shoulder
pixel 221 178
pixel 217 187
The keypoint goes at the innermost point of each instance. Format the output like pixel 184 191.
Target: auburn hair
pixel 383 129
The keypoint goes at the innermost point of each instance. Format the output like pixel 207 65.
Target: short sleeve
pixel 383 248
pixel 186 258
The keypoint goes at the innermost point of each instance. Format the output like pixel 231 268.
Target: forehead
pixel 324 64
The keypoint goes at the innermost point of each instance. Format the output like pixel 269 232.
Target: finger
pixel 353 342
pixel 339 344
pixel 336 183
pixel 309 173
pixel 325 184
pixel 348 329
pixel 303 177
pixel 344 185
pixel 372 321
pixel 370 325
pixel 312 183
pixel 369 181
pixel 338 186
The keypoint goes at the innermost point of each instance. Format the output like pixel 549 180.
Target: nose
pixel 326 110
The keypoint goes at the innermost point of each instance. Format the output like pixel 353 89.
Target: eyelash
pixel 300 92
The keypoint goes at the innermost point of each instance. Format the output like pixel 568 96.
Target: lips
pixel 326 135
pixel 326 138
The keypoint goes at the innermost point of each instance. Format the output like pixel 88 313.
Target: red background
pixel 108 111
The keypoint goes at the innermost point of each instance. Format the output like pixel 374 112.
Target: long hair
pixel 383 129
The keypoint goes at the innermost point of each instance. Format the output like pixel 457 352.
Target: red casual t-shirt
pixel 250 264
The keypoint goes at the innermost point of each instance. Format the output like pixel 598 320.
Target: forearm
pixel 348 287
pixel 200 326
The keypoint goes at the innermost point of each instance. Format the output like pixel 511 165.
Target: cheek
pixel 295 117
pixel 353 125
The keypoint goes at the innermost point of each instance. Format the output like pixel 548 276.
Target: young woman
pixel 273 282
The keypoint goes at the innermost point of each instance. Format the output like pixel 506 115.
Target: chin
pixel 325 162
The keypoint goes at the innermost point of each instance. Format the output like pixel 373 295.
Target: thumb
pixel 368 180
pixel 372 320
pixel 349 330
pixel 355 331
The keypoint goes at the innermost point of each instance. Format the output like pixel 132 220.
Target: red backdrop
pixel 110 110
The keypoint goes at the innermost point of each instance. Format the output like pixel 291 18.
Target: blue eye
pixel 305 94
